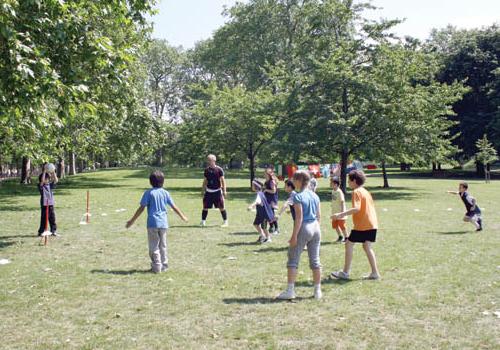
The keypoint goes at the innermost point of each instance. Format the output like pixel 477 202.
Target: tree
pixel 60 63
pixel 471 56
pixel 231 121
pixel 485 155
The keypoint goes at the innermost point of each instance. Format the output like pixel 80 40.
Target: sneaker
pixel 276 232
pixel 341 275
pixel 479 229
pixel 225 224
pixel 318 294
pixel 260 239
pixel 371 276
pixel 286 295
pixel 340 240
pixel 164 268
pixel 267 240
pixel 203 223
pixel 55 234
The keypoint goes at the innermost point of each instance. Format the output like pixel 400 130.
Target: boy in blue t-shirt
pixel 156 200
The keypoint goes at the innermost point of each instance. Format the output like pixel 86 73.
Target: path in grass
pixel 90 289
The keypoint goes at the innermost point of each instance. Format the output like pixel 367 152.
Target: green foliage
pixel 66 72
pixel 486 153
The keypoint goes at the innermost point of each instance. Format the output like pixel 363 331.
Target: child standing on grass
pixel 365 223
pixel 46 184
pixel 473 212
pixel 338 206
pixel 290 189
pixel 306 232
pixel 156 200
pixel 271 194
pixel 264 213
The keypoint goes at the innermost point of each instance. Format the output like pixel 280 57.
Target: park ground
pixel 90 289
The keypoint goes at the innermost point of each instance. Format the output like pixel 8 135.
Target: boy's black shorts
pixel 363 236
pixel 213 199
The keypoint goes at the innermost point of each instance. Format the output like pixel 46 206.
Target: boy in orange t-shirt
pixel 365 223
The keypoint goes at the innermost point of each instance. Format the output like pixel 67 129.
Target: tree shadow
pixel 378 193
pixel 122 272
pixel 17 236
pixel 5 244
pixel 261 300
pixel 272 249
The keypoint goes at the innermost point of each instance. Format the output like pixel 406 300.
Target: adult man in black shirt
pixel 214 190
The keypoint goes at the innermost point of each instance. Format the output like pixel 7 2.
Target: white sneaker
pixel 371 276
pixel 318 294
pixel 203 223
pixel 286 295
pixel 341 275
pixel 225 224
pixel 267 240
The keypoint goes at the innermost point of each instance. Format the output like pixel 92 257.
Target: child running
pixel 338 206
pixel 46 184
pixel 306 232
pixel 264 214
pixel 365 223
pixel 156 200
pixel 473 213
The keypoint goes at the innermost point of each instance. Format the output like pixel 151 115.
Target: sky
pixel 185 22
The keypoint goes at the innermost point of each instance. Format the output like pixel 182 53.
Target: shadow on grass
pixel 237 244
pixel 16 236
pixel 249 233
pixel 186 173
pixel 452 232
pixel 326 280
pixel 5 244
pixel 122 272
pixel 261 300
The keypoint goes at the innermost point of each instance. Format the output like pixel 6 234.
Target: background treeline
pixel 283 80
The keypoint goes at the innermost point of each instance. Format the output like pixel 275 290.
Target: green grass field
pixel 90 289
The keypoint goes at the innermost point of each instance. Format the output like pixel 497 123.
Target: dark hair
pixel 257 184
pixel 156 179
pixel 289 183
pixel 464 184
pixel 358 176
pixel 336 180
pixel 47 176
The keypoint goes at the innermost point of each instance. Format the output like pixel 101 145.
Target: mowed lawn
pixel 90 289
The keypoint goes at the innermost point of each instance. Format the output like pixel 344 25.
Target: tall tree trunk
pixel 251 158
pixel 26 171
pixel 72 163
pixel 343 169
pixel 434 167
pixel 159 157
pixel 479 169
pixel 61 173
pixel 384 174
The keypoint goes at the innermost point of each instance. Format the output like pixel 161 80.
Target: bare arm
pixel 204 186
pixel 223 184
pixel 135 217
pixel 453 192
pixel 55 179
pixel 296 224
pixel 180 213
pixel 318 214
pixel 283 208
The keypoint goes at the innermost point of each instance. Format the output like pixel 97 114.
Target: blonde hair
pixel 303 177
pixel 212 157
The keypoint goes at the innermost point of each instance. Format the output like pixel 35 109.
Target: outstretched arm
pixel 453 192
pixel 180 213
pixel 135 217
